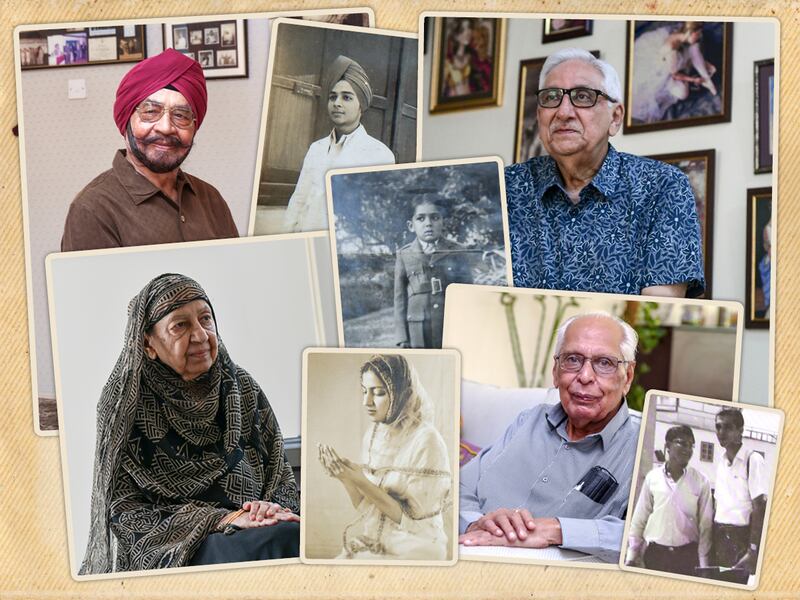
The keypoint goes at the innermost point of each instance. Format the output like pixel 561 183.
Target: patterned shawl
pixel 173 457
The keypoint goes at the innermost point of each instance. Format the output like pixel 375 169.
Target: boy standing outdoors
pixel 423 270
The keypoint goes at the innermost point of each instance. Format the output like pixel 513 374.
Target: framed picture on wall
pixel 677 74
pixel 764 81
pixel 56 48
pixel 526 138
pixel 219 46
pixel 759 258
pixel 698 166
pixel 554 30
pixel 468 58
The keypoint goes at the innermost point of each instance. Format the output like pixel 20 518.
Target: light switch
pixel 76 88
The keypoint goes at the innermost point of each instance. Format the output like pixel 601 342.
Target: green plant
pixel 648 326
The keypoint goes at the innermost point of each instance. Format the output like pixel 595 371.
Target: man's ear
pixel 148 347
pixel 617 114
pixel 410 226
pixel 629 374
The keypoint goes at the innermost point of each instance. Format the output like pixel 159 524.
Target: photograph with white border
pixel 53 172
pixel 705 478
pixel 126 350
pixel 553 385
pixel 500 130
pixel 401 234
pixel 336 96
pixel 380 436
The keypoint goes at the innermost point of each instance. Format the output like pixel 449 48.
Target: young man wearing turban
pixel 348 145
pixel 145 198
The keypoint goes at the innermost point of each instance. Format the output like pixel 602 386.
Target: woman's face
pixel 343 107
pixel 185 340
pixel 375 395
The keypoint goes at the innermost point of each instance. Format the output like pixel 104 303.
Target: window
pixel 706 452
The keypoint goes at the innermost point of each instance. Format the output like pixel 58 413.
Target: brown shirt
pixel 122 208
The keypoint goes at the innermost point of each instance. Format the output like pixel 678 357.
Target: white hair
pixel 611 84
pixel 627 346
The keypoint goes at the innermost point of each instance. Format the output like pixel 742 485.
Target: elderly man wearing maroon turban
pixel 145 198
pixel 348 145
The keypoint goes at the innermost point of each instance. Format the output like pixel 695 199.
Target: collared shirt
pixel 673 513
pixel 120 207
pixel 307 209
pixel 635 226
pixel 535 465
pixel 735 489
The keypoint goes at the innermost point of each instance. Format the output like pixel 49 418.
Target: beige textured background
pixel 33 555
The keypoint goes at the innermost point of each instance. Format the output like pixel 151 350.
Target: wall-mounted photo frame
pixel 698 166
pixel 764 87
pixel 759 258
pixel 555 30
pixel 58 48
pixel 468 59
pixel 677 74
pixel 219 46
pixel 527 144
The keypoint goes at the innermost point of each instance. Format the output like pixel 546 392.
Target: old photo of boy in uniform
pixel 401 235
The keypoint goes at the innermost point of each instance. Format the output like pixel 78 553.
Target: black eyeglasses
pixel 581 97
pixel 602 365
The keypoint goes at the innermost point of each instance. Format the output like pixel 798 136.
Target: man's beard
pixel 165 163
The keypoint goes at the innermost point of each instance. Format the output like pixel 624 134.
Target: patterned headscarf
pixel 407 400
pixel 145 399
pixel 352 72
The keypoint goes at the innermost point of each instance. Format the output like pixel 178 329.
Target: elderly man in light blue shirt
pixel 561 474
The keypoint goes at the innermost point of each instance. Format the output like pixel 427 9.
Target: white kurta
pixel 411 466
pixel 307 209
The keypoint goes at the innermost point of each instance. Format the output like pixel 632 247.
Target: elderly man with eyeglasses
pixel 145 198
pixel 590 218
pixel 560 475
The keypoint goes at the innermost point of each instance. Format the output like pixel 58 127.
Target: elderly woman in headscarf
pixel 402 487
pixel 349 95
pixel 189 462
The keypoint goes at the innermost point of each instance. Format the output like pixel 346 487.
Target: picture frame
pixel 555 30
pixel 526 137
pixel 667 85
pixel 699 167
pixel 763 119
pixel 81 46
pixel 758 262
pixel 219 46
pixel 468 63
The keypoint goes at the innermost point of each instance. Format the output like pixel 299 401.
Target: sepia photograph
pixel 545 372
pixel 704 477
pixel 400 235
pixel 336 97
pixel 228 34
pixel 211 36
pixel 379 456
pixel 180 38
pixel 178 418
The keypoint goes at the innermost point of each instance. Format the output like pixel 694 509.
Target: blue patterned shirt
pixel 635 226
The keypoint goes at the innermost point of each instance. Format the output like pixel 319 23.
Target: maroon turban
pixel 170 68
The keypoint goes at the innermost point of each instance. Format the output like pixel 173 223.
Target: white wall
pixel 490 131
pixel 476 324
